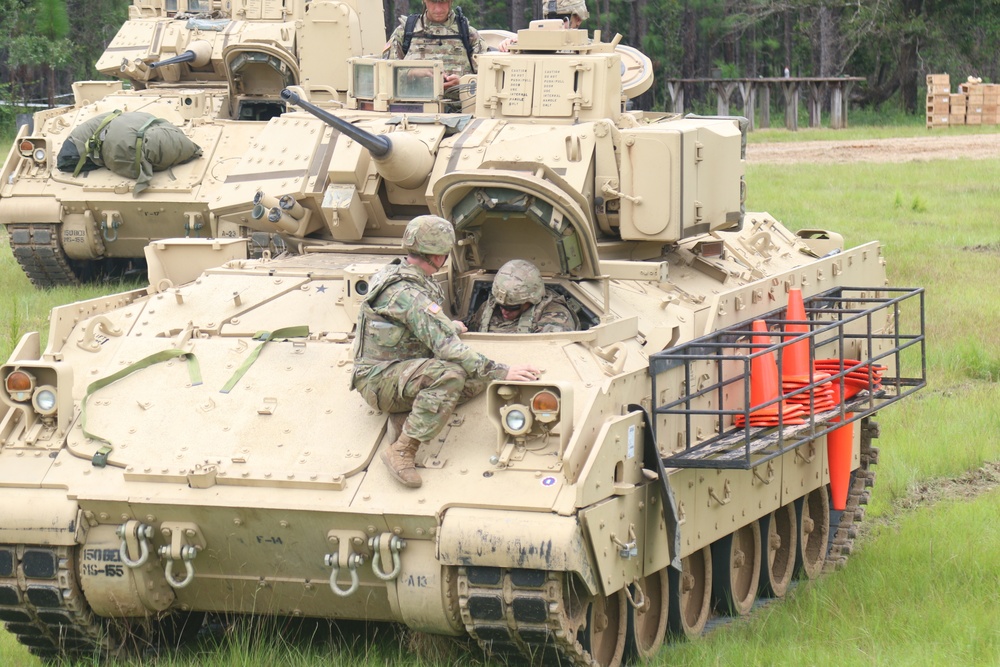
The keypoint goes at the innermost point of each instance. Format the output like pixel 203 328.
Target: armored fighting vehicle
pixel 193 447
pixel 214 69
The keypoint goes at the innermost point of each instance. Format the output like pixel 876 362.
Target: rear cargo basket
pixel 704 387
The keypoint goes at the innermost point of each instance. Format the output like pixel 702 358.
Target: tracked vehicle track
pixel 536 615
pixel 41 603
pixel 523 614
pixel 37 249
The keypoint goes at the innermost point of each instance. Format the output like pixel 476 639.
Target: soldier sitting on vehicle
pixel 519 302
pixel 407 354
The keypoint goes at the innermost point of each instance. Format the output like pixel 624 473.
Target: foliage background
pixel 892 43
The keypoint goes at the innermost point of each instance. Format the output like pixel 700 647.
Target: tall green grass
pixel 922 588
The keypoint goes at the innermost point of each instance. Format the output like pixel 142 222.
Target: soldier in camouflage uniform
pixel 436 36
pixel 572 12
pixel 520 303
pixel 407 354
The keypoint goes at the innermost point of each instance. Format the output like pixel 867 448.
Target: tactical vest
pixel 463 34
pixel 526 322
pixel 382 339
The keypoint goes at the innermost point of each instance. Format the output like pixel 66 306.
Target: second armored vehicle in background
pixel 213 69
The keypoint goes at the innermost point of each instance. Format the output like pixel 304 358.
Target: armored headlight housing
pixel 516 419
pixel 20 385
pixel 545 406
pixel 44 400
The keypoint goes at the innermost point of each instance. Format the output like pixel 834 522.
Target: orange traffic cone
pixel 764 386
pixel 796 373
pixel 795 360
pixel 839 448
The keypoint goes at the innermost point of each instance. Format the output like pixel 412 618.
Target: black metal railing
pixel 880 332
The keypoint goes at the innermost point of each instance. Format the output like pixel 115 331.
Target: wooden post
pixel 723 90
pixel 676 91
pixel 815 103
pixel 836 106
pixel 748 92
pixel 790 89
pixel 765 105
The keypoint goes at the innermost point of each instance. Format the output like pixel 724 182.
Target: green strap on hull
pixel 194 372
pixel 266 337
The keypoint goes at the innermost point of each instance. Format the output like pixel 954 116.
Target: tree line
pixel 893 44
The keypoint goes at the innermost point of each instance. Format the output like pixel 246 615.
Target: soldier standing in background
pixel 520 303
pixel 439 33
pixel 407 354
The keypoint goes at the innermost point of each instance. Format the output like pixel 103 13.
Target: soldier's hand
pixel 460 326
pixel 450 81
pixel 522 373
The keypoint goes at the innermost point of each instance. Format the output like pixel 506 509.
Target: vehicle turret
pixel 548 141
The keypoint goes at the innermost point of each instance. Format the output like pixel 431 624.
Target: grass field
pixel 921 588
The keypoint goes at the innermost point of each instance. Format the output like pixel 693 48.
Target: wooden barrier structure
pixel 750 90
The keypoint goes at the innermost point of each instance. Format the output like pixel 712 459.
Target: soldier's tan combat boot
pixel 399 458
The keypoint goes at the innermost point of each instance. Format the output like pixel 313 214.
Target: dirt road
pixel 910 149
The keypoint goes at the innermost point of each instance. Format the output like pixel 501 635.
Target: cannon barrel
pixel 186 57
pixel 378 146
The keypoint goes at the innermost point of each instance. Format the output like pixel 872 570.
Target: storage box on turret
pixel 938 83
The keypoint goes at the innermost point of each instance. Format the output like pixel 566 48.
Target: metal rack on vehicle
pixel 712 376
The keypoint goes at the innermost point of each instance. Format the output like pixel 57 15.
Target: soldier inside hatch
pixel 520 303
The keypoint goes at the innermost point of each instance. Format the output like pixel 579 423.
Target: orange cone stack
pixel 796 372
pixel 860 377
pixel 764 387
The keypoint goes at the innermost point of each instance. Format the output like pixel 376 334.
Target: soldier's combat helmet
pixel 567 7
pixel 518 282
pixel 429 235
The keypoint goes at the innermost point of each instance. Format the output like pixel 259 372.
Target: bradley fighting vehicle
pixel 214 69
pixel 192 447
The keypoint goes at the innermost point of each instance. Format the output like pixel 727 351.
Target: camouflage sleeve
pixel 394 47
pixel 427 321
pixel 476 318
pixel 555 318
pixel 478 43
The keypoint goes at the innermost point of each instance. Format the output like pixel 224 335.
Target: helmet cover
pixel 567 7
pixel 429 235
pixel 518 282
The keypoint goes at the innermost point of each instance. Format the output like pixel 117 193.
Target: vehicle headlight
pixel 19 385
pixel 545 406
pixel 39 155
pixel 44 400
pixel 516 419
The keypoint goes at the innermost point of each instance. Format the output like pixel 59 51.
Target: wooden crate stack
pixel 975 103
pixel 939 100
pixel 983 101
